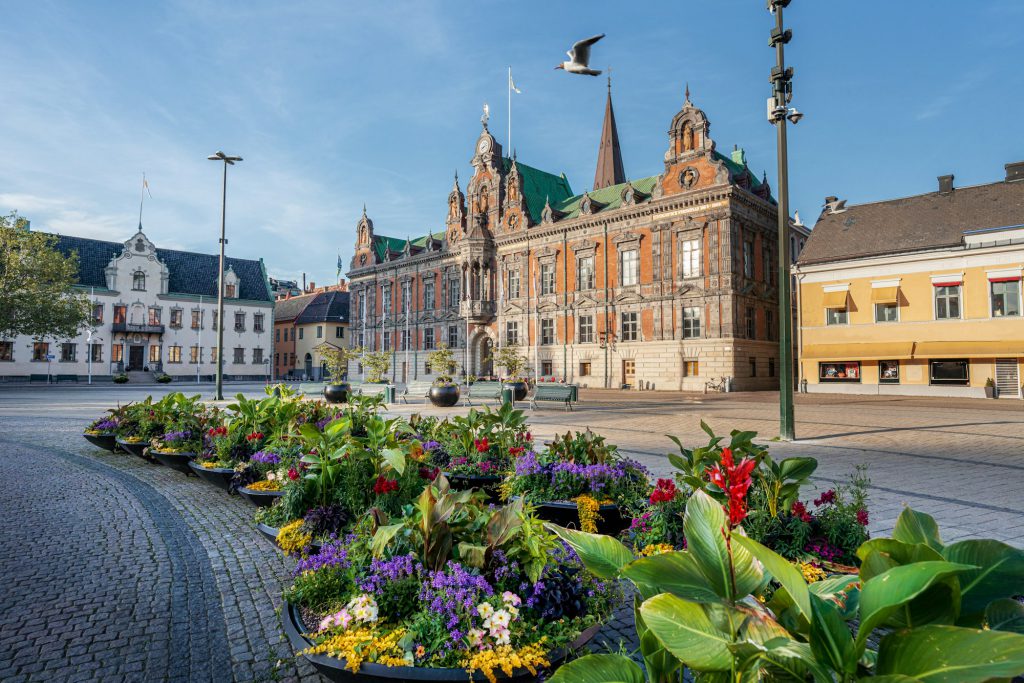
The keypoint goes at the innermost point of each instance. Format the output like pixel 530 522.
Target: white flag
pixel 511 85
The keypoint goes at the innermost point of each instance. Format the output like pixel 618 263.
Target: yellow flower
pixel 264 485
pixel 291 539
pixel 360 645
pixel 656 549
pixel 208 464
pixel 507 659
pixel 587 509
pixel 811 573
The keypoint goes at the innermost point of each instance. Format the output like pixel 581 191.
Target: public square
pixel 120 570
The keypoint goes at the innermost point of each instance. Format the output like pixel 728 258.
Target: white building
pixel 154 310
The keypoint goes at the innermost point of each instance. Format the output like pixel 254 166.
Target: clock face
pixel 484 145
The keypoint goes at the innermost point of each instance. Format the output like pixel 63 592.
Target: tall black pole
pixel 782 88
pixel 220 290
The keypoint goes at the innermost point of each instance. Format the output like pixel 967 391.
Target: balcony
pixel 478 312
pixel 142 329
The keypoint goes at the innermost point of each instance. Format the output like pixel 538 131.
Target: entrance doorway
pixel 628 373
pixel 1007 378
pixel 309 367
pixel 486 363
pixel 135 357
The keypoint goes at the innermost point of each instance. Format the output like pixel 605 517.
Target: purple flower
pixel 266 457
pixel 177 436
pixel 527 464
pixel 431 445
pixel 333 554
pixel 105 425
pixel 383 572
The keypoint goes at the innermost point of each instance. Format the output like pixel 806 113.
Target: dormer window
pixel 229 291
pixel 139 281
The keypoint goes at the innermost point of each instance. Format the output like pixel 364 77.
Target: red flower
pixel 482 446
pixel 862 517
pixel 800 510
pixel 293 473
pixel 664 492
pixel 384 485
pixel 429 474
pixel 255 436
pixel 218 431
pixel 516 451
pixel 734 480
pixel 826 498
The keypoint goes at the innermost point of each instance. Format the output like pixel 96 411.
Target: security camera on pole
pixel 778 112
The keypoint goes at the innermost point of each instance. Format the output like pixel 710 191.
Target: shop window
pixel 844 371
pixel 888 372
pixel 951 372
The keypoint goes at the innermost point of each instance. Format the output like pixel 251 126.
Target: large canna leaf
pixel 917 527
pixel 396 458
pixel 674 572
pixel 602 555
pixel 599 669
pixel 797 468
pixel 881 554
pixel 783 571
pixel 831 642
pixel 890 678
pixel 659 662
pixel 1000 574
pixel 881 596
pixel 795 659
pixel 1005 614
pixel 383 537
pixel 703 523
pixel 951 654
pixel 686 630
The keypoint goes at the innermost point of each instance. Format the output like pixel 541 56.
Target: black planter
pixel 177 461
pixel 131 448
pixel 488 483
pixel 444 396
pixel 107 442
pixel 565 513
pixel 218 476
pixel 337 393
pixel 261 499
pixel 334 669
pixel 520 389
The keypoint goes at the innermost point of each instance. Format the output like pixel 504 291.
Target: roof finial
pixel 364 209
pixel 609 80
pixel 687 91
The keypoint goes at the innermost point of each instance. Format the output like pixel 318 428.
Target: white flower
pixel 501 636
pixel 485 609
pixel 514 611
pixel 511 598
pixel 271 476
pixel 476 637
pixel 364 608
pixel 500 619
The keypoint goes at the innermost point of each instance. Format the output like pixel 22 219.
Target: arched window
pixel 139 281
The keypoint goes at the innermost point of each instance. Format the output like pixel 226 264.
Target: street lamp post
pixel 228 161
pixel 778 111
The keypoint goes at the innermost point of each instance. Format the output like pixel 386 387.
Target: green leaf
pixel 1005 614
pixel 602 555
pixel 881 596
pixel 797 468
pixel 383 537
pixel 881 554
pixel 917 527
pixel 504 523
pixel 707 430
pixel 686 631
pixel 831 641
pixel 703 524
pixel 659 662
pixel 892 678
pixel 472 554
pixel 1000 574
pixel 674 572
pixel 796 659
pixel 599 669
pixel 783 571
pixel 951 654
pixel 396 458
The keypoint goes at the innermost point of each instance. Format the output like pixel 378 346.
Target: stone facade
pixel 661 282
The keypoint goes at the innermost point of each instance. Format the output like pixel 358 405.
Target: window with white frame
pixel 68 352
pixel 547 331
pixel 947 301
pixel 630 327
pixel 386 298
pixel 453 336
pixel 513 284
pixel 691 258
pixel 585 273
pixel 139 281
pixel 586 329
pixel 239 355
pixel 1005 294
pixel 691 322
pixel 836 316
pixel 173 354
pixel 453 292
pixel 629 267
pixel 428 295
pixel 547 278
pixel 511 332
pixel 428 338
pixel 887 312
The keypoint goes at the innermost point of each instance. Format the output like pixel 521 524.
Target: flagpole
pixel 536 330
pixel 510 110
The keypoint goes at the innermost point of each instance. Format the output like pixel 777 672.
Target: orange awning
pixel 836 299
pixel 969 349
pixel 858 351
pixel 885 295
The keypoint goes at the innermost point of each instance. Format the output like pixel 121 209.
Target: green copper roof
pixel 736 168
pixel 383 244
pixel 539 186
pixel 611 196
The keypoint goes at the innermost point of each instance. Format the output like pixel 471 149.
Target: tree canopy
pixel 37 295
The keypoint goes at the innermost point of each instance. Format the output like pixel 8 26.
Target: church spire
pixel 609 155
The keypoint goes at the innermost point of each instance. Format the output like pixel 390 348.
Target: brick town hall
pixel 659 282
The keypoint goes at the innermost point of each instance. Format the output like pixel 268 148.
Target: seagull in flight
pixel 579 58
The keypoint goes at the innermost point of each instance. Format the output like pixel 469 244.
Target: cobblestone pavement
pixel 117 570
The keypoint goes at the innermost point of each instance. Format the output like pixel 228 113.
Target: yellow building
pixel 916 296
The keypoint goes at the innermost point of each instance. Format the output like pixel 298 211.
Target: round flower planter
pixel 107 442
pixel 488 483
pixel 519 389
pixel 565 513
pixel 334 669
pixel 444 395
pixel 261 499
pixel 270 533
pixel 218 476
pixel 176 461
pixel 132 447
pixel 337 393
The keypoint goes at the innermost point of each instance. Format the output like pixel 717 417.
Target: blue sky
pixel 334 104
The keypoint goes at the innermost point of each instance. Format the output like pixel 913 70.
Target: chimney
pixel 1014 171
pixel 945 183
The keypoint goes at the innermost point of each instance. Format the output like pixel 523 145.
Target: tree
pixel 37 295
pixel 377 363
pixel 336 360
pixel 442 363
pixel 508 357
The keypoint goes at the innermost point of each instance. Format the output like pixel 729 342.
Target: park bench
pixel 66 378
pixel 39 378
pixel 555 393
pixel 483 391
pixel 419 390
pixel 368 389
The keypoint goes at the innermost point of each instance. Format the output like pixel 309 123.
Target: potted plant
pixel 514 362
pixel 444 393
pixel 102 432
pixel 336 360
pixel 990 388
pixel 177 448
pixel 120 378
pixel 581 481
